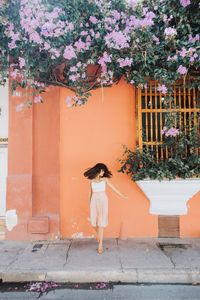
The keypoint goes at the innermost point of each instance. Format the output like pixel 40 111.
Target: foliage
pixel 183 159
pixel 86 44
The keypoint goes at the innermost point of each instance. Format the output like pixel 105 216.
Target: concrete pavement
pixel 137 260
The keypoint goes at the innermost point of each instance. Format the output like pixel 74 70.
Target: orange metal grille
pixel 152 113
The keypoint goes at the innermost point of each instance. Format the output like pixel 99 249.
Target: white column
pixel 3 147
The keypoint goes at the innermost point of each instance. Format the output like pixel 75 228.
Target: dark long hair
pixel 91 173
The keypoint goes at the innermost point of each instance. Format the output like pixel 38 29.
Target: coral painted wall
pixel 50 147
pixel 95 133
pixel 33 167
pixel 190 224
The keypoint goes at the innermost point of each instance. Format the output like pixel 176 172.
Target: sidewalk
pixel 134 260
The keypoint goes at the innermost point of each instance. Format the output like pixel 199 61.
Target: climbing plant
pixel 87 44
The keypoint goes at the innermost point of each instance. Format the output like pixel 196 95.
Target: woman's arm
pixel 90 192
pixel 115 189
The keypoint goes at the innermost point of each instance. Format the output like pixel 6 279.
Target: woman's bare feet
pixel 100 249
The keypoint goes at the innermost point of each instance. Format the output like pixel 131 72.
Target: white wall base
pixel 169 197
pixel 3 147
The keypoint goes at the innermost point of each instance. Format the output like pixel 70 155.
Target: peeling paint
pixel 90 237
pixel 80 235
pixel 11 219
pixel 77 235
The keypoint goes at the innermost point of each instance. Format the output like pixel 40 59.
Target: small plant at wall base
pixel 181 158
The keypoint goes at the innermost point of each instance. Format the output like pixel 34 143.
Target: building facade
pixel 50 146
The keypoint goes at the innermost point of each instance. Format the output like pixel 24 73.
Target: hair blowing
pixel 91 173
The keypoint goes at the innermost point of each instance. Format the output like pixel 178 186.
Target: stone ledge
pixel 181 276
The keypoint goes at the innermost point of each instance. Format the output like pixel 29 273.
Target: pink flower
pixel 150 15
pixel 125 62
pixel 69 52
pixel 183 52
pixel 37 99
pixel 173 58
pixel 171 132
pixel 79 64
pixel 93 19
pixel 185 3
pixel 88 38
pixel 162 131
pixel 106 58
pixel 117 40
pixel 55 53
pixel 46 46
pixel 73 69
pixel 81 46
pixel 170 32
pixel 182 70
pixel 83 75
pixel 34 37
pixel 12 45
pixel 162 88
pixel 14 74
pixel 2 2
pixel 21 62
pixel 70 26
pixel 68 101
pixel 72 78
pixel 156 39
pixel 132 3
pixel 20 107
pixel 116 15
pixel 194 39
pixel 79 102
pixel 84 32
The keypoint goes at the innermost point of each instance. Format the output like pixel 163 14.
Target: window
pixel 152 115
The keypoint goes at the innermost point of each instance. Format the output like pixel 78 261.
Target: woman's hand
pixel 115 189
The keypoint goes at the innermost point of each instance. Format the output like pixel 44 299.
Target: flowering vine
pixel 87 44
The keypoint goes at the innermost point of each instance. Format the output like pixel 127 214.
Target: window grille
pixel 152 114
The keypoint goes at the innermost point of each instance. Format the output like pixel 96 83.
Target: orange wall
pixel 46 145
pixel 33 165
pixel 95 133
pixel 190 223
pixel 19 180
pixel 51 145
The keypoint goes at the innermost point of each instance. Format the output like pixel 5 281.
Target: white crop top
pixel 98 186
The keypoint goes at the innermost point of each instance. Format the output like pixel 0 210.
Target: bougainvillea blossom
pixel 57 43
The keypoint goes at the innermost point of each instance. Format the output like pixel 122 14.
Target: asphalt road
pixel 117 292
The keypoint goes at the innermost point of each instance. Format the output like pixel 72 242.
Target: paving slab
pixel 83 256
pixel 76 260
pixel 183 253
pixel 42 256
pixel 142 253
pixel 9 252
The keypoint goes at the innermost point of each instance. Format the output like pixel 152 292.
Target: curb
pixel 159 276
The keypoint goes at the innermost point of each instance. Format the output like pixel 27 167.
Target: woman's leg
pixel 97 232
pixel 100 234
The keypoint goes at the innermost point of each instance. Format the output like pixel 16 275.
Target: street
pixel 115 292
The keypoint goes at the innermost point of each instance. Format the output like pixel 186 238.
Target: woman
pixel 99 175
